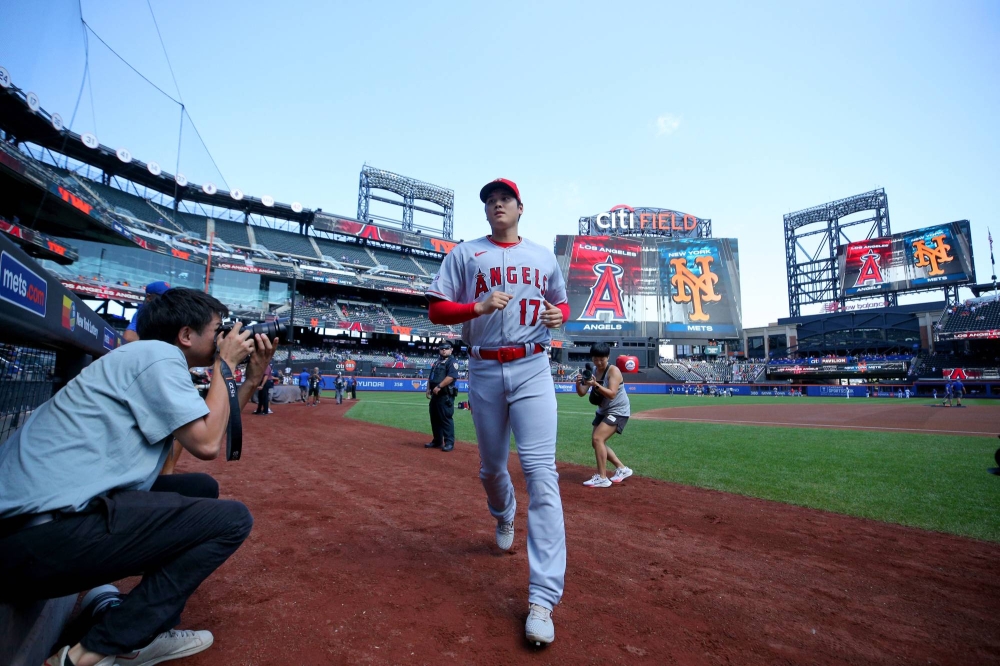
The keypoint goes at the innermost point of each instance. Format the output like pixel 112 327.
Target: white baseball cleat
pixel 505 534
pixel 539 628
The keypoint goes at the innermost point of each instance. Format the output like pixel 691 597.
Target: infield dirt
pixel 369 549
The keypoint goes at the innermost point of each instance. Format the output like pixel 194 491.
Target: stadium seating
pixel 351 256
pixel 430 267
pixel 416 318
pixel 196 224
pixel 285 242
pixel 134 206
pixel 979 314
pixel 395 262
pixel 234 233
pixel 680 372
pixel 366 313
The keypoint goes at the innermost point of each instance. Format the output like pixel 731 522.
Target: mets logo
pixel 932 256
pixel 630 365
pixel 695 289
pixel 415 384
pixel 871 271
pixel 606 294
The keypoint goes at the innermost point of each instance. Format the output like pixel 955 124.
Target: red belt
pixel 507 354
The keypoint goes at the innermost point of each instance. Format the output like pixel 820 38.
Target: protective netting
pixel 105 72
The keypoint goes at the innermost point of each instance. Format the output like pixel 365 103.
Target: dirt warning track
pixel 369 549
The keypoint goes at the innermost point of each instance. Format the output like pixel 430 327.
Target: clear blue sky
pixel 726 111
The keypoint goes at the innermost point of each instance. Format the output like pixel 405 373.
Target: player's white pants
pixel 520 396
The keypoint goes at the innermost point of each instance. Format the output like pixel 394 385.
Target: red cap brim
pixel 506 184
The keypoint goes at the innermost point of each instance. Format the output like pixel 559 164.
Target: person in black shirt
pixel 315 382
pixel 441 391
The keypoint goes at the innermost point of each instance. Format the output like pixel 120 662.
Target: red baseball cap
pixel 499 182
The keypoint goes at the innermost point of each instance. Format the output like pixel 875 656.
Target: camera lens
pixel 269 329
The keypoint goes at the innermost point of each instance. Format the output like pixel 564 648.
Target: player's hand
pixel 552 317
pixel 428 394
pixel 436 390
pixel 235 345
pixel 497 300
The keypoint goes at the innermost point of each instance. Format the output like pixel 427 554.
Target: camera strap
pixel 234 433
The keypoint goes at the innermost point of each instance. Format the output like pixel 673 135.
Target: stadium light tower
pixel 814 274
pixel 412 190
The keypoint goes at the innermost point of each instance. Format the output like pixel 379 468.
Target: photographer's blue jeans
pixel 174 536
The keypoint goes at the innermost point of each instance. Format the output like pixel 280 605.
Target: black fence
pixel 27 380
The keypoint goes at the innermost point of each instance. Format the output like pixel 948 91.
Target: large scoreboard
pixel 651 287
pixel 935 256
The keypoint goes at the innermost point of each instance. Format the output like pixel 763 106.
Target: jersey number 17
pixel 533 303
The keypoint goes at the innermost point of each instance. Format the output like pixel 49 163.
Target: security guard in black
pixel 441 390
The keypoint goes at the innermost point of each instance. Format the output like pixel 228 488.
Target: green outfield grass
pixel 930 481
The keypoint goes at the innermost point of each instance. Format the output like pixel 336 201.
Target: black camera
pixel 587 372
pixel 269 329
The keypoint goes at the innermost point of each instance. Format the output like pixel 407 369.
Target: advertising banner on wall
pixel 928 257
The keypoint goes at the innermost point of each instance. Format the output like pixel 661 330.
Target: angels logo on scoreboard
pixel 605 294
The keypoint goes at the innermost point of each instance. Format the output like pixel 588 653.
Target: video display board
pixel 353 231
pixel 928 257
pixel 651 287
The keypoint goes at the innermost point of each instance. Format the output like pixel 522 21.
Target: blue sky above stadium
pixel 733 112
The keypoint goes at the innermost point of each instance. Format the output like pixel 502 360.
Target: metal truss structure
pixel 814 274
pixel 676 223
pixel 412 190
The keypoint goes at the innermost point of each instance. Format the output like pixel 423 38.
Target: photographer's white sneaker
pixel 621 474
pixel 169 645
pixel 597 481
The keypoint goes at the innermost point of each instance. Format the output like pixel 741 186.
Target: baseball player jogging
pixel 508 291
pixel 607 390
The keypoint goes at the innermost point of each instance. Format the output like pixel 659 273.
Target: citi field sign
pixel 628 219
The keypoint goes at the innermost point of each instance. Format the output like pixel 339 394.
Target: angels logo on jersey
pixel 606 294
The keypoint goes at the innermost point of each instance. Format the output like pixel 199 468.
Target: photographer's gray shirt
pixel 619 405
pixel 109 428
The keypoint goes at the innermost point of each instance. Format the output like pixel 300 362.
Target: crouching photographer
pixel 81 502
pixel 606 386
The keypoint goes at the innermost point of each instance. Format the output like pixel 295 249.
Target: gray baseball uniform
pixel 516 395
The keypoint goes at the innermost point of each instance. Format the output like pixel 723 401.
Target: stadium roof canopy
pixel 17 119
